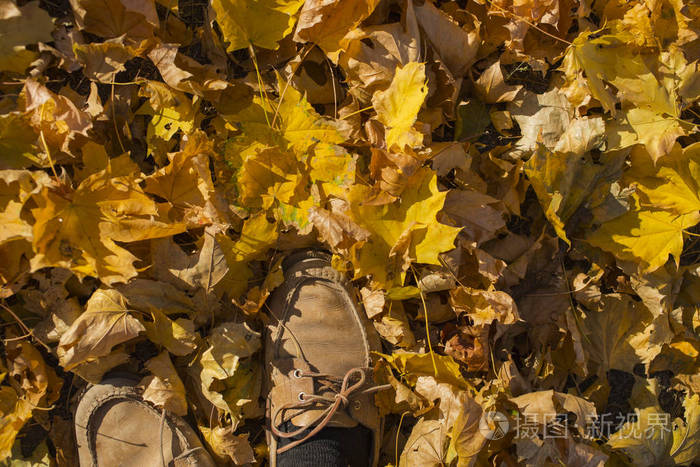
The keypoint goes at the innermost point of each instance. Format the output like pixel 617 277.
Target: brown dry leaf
pixel 394 327
pixel 401 398
pixel 479 214
pixel 326 22
pixel 202 270
pixel 373 54
pixel 105 323
pixel 163 388
pixel 540 406
pixel 541 117
pixel 484 306
pixel 146 295
pixel 373 301
pixel 470 345
pixel 456 45
pixel 55 117
pixel 335 228
pixel 94 371
pixel 113 18
pixel 103 61
pixel 185 74
pixel 623 333
pixel 492 87
pixel 426 446
pixel 503 181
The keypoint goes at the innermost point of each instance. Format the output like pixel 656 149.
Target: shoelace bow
pixel 338 401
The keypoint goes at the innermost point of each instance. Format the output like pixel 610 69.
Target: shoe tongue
pixel 340 419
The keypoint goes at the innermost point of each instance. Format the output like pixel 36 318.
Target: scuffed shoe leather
pixel 114 426
pixel 318 355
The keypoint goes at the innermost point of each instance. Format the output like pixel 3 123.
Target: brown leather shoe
pixel 318 353
pixel 114 426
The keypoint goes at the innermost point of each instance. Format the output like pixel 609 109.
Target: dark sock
pixel 330 447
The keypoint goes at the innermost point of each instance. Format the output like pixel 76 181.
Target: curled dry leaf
pixel 227 445
pixel 163 388
pixel 106 322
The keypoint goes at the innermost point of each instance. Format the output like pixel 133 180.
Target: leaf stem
pixel 261 85
pixel 427 325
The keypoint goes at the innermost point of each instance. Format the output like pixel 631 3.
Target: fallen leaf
pixel 426 445
pixel 77 229
pixel 398 106
pixel 163 387
pixel 177 335
pixel 325 23
pixel 103 61
pixel 226 381
pixel 261 23
pixel 113 18
pixel 106 322
pixel 19 27
pixel 227 445
pixel 456 45
pixel 645 235
pixel 492 87
pixel 405 221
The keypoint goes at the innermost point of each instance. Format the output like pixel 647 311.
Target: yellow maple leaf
pixel 301 125
pixel 177 335
pixel 644 235
pixel 640 125
pixel 401 232
pixel 563 182
pixel 397 107
pixel 268 175
pixel 186 183
pixel 665 441
pixel 672 184
pixel 257 22
pixel 412 365
pixel 77 229
pixel 606 56
pixel 16 187
pixel 230 380
pixel 34 384
pixel 293 124
pixel 644 80
pixel 171 111
pixel 257 236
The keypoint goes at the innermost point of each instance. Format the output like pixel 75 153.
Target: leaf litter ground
pixel 514 189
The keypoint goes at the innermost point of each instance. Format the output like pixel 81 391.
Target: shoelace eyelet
pixel 297 373
pixel 301 396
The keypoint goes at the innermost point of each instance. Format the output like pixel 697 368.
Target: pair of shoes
pixel 318 374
